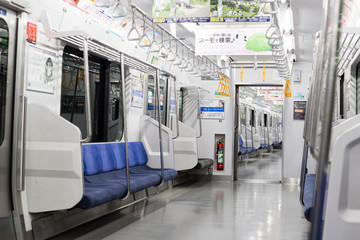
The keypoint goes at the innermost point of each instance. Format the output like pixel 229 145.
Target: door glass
pixel 116 120
pixel 4 37
pixel 73 89
pixel 152 102
pixel 357 88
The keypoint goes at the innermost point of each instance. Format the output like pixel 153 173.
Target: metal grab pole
pixel 199 113
pixel 268 132
pixel 304 171
pixel 252 133
pixel 87 92
pixel 74 94
pixel 157 91
pixel 246 130
pixel 177 110
pixel 123 88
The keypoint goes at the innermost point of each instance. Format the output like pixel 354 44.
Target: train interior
pixel 179 119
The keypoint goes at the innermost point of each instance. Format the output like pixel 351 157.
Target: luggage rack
pixel 349 47
pixel 101 49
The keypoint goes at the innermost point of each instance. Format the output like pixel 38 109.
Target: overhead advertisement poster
pixel 84 5
pixel 178 11
pixel 212 109
pixel 351 12
pixel 231 41
pixel 137 93
pixel 41 69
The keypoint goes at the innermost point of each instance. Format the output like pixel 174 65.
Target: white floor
pixel 212 210
pixel 266 167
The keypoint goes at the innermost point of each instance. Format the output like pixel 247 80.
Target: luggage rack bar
pixel 349 48
pixel 100 49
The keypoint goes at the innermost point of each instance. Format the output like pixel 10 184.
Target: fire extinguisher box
pixel 219 154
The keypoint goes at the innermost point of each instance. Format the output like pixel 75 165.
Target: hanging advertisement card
pixel 137 93
pixel 179 11
pixel 350 13
pixel 231 41
pixel 83 5
pixel 172 97
pixel 41 69
pixel 212 109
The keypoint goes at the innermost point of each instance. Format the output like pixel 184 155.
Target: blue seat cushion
pixel 169 174
pixel 98 193
pixel 137 181
pixel 105 157
pixel 308 195
pixel 240 141
pixel 264 145
pixel 242 150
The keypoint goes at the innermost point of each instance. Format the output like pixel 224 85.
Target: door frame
pixel 236 126
pixel 19 112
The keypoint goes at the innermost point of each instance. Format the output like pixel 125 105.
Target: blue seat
pixel 97 193
pixel 244 150
pixel 264 146
pixel 144 169
pixel 105 172
pixel 308 195
pixel 137 181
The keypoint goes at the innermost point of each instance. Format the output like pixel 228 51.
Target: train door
pixel 7 57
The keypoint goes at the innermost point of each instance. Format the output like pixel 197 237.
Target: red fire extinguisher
pixel 220 155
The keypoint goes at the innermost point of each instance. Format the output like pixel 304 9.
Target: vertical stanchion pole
pixel 246 130
pixel 123 88
pixel 87 92
pixel 177 110
pixel 157 91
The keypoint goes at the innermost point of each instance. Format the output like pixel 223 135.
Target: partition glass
pixel 152 107
pixel 3 75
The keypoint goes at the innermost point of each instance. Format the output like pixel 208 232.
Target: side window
pixel 252 118
pixel 259 120
pixel 265 120
pixel 3 75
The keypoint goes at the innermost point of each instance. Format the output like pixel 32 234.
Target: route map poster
pixel 299 110
pixel 212 109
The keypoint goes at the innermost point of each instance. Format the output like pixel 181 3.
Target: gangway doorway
pixel 258 133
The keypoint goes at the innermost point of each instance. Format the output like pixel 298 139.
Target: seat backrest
pixel 240 141
pixel 105 157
